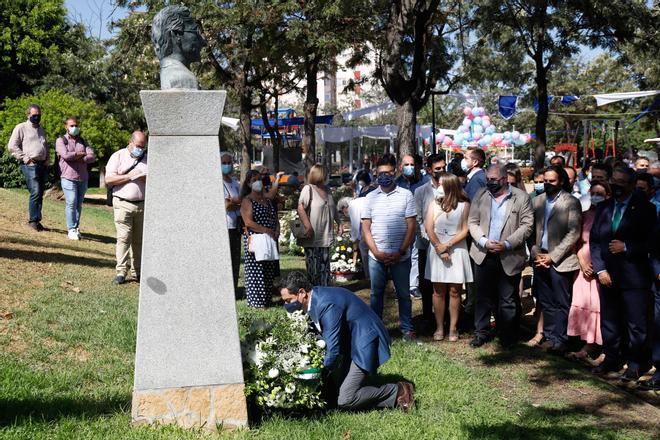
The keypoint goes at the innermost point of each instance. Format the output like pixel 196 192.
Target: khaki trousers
pixel 129 219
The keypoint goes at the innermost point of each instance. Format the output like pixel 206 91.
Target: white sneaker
pixel 73 235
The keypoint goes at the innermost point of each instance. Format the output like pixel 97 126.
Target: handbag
pixel 296 225
pixel 108 188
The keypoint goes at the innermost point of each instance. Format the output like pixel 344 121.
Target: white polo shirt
pixel 388 213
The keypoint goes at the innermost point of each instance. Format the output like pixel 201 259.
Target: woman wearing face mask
pixel 448 264
pixel 317 211
pixel 584 315
pixel 260 217
pixel 514 176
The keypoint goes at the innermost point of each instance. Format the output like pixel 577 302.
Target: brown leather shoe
pixel 405 396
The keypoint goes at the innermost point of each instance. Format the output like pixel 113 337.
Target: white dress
pixel 458 270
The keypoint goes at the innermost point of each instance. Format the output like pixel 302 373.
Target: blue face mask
pixel 385 180
pixel 137 151
pixel 539 188
pixel 227 168
pixel 293 306
pixel 408 170
pixel 74 131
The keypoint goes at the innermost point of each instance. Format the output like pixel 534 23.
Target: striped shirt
pixel 388 213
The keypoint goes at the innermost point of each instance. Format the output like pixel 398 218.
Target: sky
pixel 96 15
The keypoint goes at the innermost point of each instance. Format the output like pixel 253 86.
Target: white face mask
pixel 257 186
pixel 596 199
pixel 464 165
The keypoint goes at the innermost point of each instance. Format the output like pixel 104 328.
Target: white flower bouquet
pixel 341 256
pixel 287 241
pixel 282 362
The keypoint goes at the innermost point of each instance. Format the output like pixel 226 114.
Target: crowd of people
pixel 456 235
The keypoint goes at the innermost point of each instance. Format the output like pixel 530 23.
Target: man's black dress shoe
pixel 605 368
pixel 652 384
pixel 478 341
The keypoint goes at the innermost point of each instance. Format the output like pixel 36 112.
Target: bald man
pixel 126 172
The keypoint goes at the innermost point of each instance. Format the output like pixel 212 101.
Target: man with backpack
pixel 74 156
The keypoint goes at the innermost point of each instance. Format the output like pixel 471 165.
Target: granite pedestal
pixel 188 368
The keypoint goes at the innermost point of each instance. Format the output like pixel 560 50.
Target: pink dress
pixel 584 316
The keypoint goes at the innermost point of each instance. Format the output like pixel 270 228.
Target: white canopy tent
pixel 348 134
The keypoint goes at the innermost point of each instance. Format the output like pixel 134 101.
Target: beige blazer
pixel 564 228
pixel 517 228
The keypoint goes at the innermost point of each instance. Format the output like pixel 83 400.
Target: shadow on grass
pixel 26 242
pixel 54 257
pixel 591 419
pixel 87 236
pixel 28 410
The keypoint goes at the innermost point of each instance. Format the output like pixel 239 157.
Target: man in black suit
pixel 620 243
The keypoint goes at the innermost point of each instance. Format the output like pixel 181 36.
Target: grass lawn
pixel 68 339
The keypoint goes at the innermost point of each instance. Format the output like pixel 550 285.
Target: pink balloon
pixel 485 118
pixel 467 111
pixel 485 123
pixel 497 137
pixel 447 141
pixel 515 135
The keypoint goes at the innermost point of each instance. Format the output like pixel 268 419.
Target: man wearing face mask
pixel 74 155
pixel 232 207
pixel 424 196
pixel 356 344
pixel 620 247
pixel 126 172
pixel 411 178
pixel 472 164
pixel 500 222
pixel 388 227
pixel 28 145
pixel 558 219
pixel 539 187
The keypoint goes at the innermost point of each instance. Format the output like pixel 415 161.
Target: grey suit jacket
pixel 517 228
pixel 564 228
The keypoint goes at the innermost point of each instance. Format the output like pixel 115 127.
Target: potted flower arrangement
pixel 343 262
pixel 282 362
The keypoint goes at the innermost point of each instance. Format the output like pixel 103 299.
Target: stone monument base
pixel 214 408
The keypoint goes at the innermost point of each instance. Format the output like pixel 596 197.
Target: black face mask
pixel 617 190
pixel 293 306
pixel 550 189
pixel 35 119
pixel 494 187
pixel 436 175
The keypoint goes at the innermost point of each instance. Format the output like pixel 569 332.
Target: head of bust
pixel 175 34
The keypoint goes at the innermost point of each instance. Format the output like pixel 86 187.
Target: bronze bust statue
pixel 178 41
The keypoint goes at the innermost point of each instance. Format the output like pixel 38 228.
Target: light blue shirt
pixel 497 220
pixel 549 204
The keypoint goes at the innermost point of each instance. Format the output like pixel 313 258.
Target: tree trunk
pixel 277 140
pixel 406 136
pixel 542 116
pixel 310 107
pixel 245 134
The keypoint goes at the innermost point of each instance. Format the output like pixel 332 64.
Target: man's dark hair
pixel 386 159
pixel 559 156
pixel 603 167
pixel 479 155
pixel 363 176
pixel 646 177
pixel 294 281
pixel 563 177
pixel 537 173
pixel 433 159
pixel 623 169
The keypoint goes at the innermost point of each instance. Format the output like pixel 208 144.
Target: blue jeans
pixel 74 194
pixel 400 274
pixel 35 179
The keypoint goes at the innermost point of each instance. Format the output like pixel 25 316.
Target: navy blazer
pixel 629 269
pixel 349 328
pixel 477 182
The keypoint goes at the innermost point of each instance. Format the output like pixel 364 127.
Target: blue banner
pixel 506 105
pixel 535 103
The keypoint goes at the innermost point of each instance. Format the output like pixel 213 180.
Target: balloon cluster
pixel 477 130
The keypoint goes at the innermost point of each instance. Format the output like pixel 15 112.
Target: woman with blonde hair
pixel 448 264
pixel 317 211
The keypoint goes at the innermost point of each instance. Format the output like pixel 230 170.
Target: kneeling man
pixel 356 340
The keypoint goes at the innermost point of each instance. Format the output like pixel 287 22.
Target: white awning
pixel 608 98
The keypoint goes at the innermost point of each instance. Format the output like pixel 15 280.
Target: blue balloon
pixel 478 129
pixel 458 138
pixel 490 130
pixel 488 139
pixel 477 120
